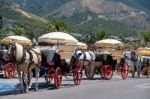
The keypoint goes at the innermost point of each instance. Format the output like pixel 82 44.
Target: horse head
pixel 16 52
pixel 11 50
pixel 75 58
pixel 133 56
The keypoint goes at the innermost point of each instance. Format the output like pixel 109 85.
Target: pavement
pixel 117 88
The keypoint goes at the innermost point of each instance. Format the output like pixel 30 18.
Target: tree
pixel 58 25
pixel 100 34
pixel 146 37
pixel 18 31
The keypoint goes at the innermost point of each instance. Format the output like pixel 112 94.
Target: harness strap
pixel 23 57
pixel 30 56
pixel 34 51
pixel 91 56
pixel 84 55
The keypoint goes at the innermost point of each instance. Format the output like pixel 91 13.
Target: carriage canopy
pixel 108 43
pixel 143 51
pixel 18 39
pixel 57 38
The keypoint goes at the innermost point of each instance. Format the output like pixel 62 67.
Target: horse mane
pixel 19 53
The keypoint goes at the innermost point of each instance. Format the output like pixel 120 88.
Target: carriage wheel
pixel 124 70
pixel 49 76
pixel 10 70
pixel 58 77
pixel 77 75
pixel 108 72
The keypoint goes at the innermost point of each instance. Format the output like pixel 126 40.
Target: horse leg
pixel 20 80
pixel 29 77
pixel 91 70
pixel 86 68
pixel 139 65
pixel 25 81
pixel 37 70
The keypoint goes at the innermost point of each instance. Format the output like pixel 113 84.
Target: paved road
pixel 131 88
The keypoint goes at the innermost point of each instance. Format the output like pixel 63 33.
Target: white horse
pixel 26 59
pixel 86 59
pixel 134 62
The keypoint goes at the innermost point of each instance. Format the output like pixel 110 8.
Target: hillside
pixel 137 4
pixel 17 18
pixel 117 16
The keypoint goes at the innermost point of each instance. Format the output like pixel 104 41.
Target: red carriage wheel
pixel 9 70
pixel 124 70
pixel 58 77
pixel 49 76
pixel 108 72
pixel 77 75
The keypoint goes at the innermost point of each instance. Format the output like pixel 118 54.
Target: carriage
pixel 7 67
pixel 113 45
pixel 114 61
pixel 55 64
pixel 51 71
pixel 145 67
pixel 105 64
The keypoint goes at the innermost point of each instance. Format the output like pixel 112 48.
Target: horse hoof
pixel 26 91
pixel 36 89
pixel 29 87
pixel 21 91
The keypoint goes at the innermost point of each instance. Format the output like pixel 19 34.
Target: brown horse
pixel 26 60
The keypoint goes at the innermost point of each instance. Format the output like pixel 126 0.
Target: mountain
pixel 122 17
pixel 13 17
pixel 137 4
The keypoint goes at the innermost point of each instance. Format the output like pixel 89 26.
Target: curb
pixel 5 87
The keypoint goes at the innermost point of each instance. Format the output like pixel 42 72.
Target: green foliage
pixel 40 7
pixel 146 37
pixel 2 34
pixel 100 34
pixel 18 31
pixel 78 22
pixel 31 27
pixel 58 25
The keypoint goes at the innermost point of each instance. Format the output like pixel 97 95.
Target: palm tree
pixel 146 37
pixel 58 25
pixel 100 34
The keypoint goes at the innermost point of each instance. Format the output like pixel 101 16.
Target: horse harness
pixel 84 58
pixel 28 50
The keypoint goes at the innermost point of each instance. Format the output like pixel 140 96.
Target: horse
pixel 26 60
pixel 134 62
pixel 85 59
pixel 90 61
